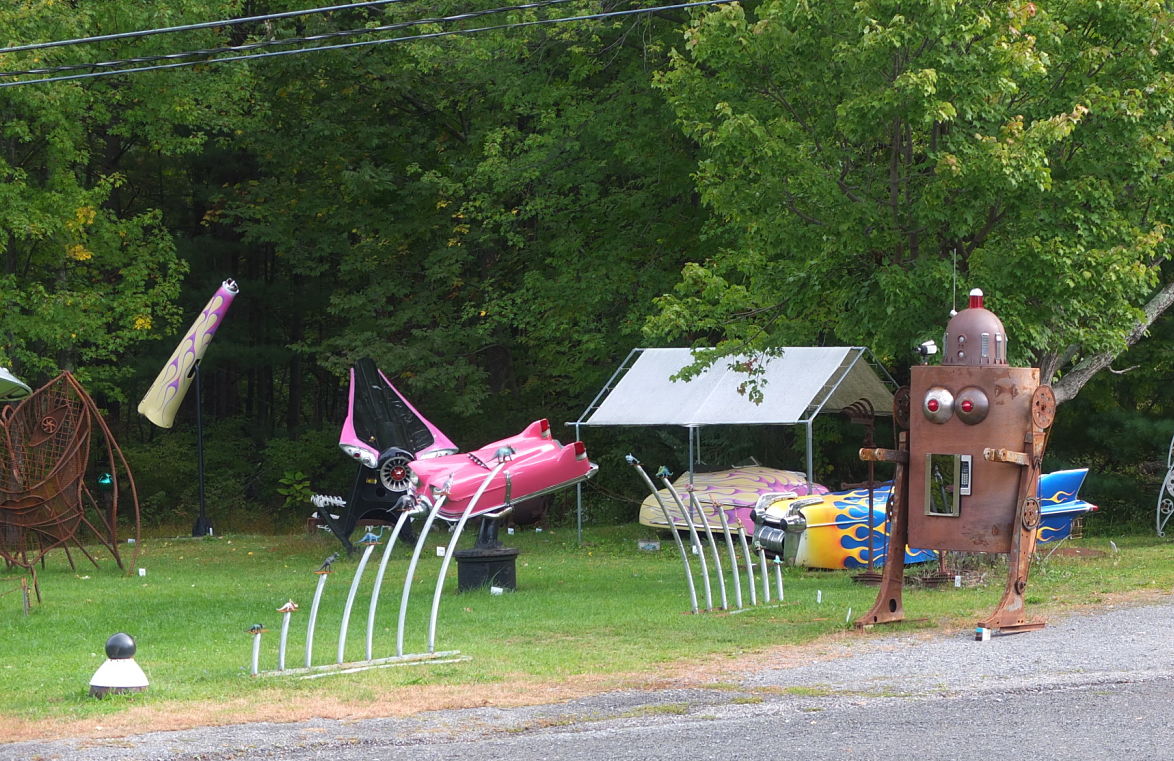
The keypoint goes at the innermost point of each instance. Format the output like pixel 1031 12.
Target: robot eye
pixel 972 405
pixel 938 405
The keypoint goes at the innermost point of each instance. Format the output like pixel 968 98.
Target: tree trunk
pixel 1069 384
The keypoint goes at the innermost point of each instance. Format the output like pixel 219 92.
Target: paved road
pixel 1097 686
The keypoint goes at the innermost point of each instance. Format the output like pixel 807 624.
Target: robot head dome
pixel 975 336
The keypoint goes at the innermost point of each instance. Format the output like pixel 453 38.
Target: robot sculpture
pixel 46 501
pixel 968 463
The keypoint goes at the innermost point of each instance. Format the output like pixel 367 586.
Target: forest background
pixel 498 218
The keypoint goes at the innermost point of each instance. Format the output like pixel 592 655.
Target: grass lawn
pixel 584 618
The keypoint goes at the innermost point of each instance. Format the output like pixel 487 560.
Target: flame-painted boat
pixel 735 491
pixel 1060 505
pixel 832 530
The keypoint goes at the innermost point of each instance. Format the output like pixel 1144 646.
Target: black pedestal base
pixel 487 567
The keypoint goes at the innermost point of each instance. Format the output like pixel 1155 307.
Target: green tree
pixel 856 154
pixel 488 216
pixel 88 264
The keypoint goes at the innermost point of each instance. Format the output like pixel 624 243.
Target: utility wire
pixel 191 27
pixel 364 43
pixel 275 43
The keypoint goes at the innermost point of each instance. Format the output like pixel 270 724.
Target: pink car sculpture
pixel 530 464
pixel 407 463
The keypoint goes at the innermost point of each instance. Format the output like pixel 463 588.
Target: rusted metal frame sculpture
pixel 1166 494
pixel 45 501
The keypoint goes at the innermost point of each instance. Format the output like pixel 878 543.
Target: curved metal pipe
pixel 733 555
pixel 765 576
pixel 314 616
pixel 672 529
pixel 695 541
pixel 404 517
pixel 452 543
pixel 403 600
pixel 350 600
pixel 749 563
pixel 717 559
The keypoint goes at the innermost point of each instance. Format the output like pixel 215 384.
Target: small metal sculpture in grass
pixel 46 500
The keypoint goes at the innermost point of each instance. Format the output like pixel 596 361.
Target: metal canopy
pixel 797 385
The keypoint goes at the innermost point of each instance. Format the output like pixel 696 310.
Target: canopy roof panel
pixel 797 385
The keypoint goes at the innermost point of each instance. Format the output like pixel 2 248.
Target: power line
pixel 363 43
pixel 192 27
pixel 274 43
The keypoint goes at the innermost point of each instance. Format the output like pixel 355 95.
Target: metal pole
pixel 733 556
pixel 314 616
pixel 717 559
pixel 284 639
pixel 256 651
pixel 765 577
pixel 779 577
pixel 203 526
pixel 403 600
pixel 695 542
pixel 452 544
pixel 579 513
pixel 578 498
pixel 810 460
pixel 750 583
pixel 672 528
pixel 404 516
pixel 350 600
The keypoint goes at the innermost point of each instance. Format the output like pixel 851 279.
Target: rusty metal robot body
pixel 968 462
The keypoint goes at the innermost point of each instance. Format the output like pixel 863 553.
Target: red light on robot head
pixel 976 298
pixel 973 405
pixel 938 405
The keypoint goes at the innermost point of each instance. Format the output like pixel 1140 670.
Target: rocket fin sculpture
pixel 163 398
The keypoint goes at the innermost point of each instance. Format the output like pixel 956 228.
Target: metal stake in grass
pixel 285 610
pixel 452 544
pixel 404 517
pixel 717 559
pixel 256 630
pixel 323 571
pixel 750 583
pixel 403 600
pixel 779 577
pixel 369 540
pixel 733 556
pixel 765 576
pixel 672 528
pixel 694 540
